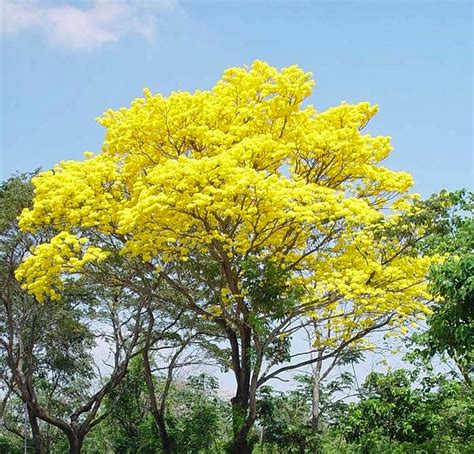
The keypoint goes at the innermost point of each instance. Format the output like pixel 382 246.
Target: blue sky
pixel 64 63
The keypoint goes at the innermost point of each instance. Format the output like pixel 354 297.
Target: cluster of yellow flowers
pixel 243 169
pixel 65 254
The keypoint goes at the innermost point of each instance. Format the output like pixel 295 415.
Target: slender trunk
pixel 165 441
pixel 465 371
pixel 316 397
pixel 241 419
pixel 158 415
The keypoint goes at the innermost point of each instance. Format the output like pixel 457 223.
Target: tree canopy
pixel 240 171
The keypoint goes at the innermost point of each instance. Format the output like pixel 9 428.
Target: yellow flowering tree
pixel 255 207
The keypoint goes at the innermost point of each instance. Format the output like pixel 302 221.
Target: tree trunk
pixel 240 411
pixel 157 413
pixel 242 422
pixel 165 440
pixel 75 444
pixel 35 430
pixel 244 411
pixel 239 416
pixel 316 397
pixel 241 445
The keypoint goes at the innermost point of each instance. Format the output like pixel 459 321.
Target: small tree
pixel 397 414
pixel 285 420
pixel 450 328
pixel 46 345
pixel 194 415
pixel 198 416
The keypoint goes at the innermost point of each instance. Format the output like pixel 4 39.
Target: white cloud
pixel 16 17
pixel 85 26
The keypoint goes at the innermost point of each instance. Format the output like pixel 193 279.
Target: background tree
pixel 46 346
pixel 451 326
pixel 285 421
pixel 50 342
pixel 132 429
pixel 199 418
pixel 351 353
pixel 395 415
pixel 178 346
pixel 195 416
pixel 449 231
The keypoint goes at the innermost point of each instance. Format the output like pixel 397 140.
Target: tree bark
pixel 38 443
pixel 241 445
pixel 316 396
pixel 155 410
pixel 240 425
pixel 165 441
pixel 75 443
pixel 244 402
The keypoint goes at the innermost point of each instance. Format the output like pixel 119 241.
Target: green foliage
pixel 10 444
pixel 268 293
pixel 16 193
pixel 390 405
pixel 395 416
pixel 196 418
pixel 444 218
pixel 131 425
pixel 285 420
pixel 450 223
pixel 51 341
pixel 451 326
pixel 266 286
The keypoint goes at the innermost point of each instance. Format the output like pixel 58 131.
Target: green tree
pixel 132 428
pixel 195 416
pixel 198 417
pixel 395 414
pixel 285 420
pixel 450 329
pixel 46 347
